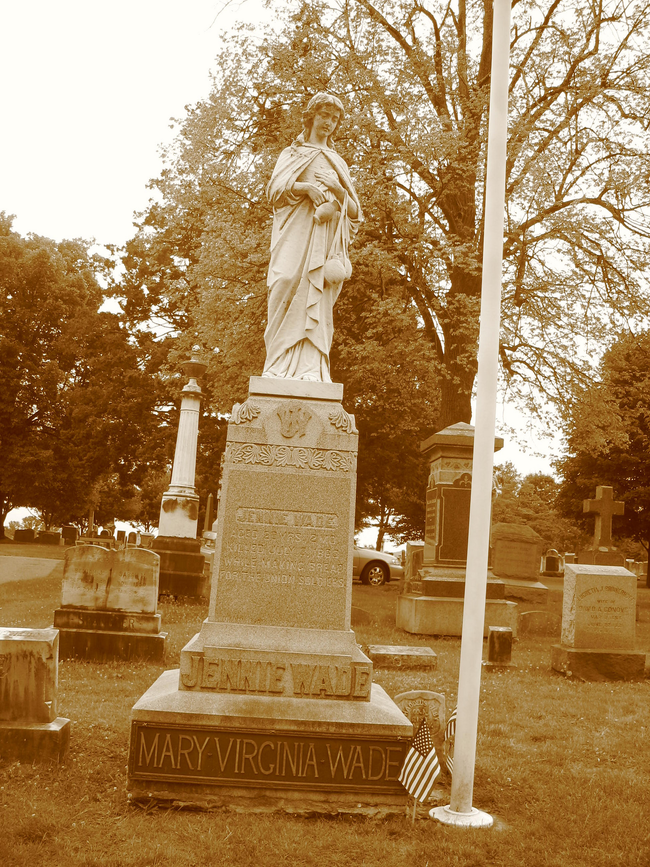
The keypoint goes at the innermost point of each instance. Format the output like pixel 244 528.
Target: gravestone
pixel 552 563
pixel 209 514
pixel 30 729
pixel 450 455
pixel 414 559
pixel 70 534
pixel 423 705
pixel 432 602
pixel 545 623
pixel 109 605
pixel 602 551
pixel 516 551
pixel 24 535
pixel 121 537
pixel 146 540
pixel 499 647
pixel 402 656
pixel 598 624
pixel 275 682
pixel 47 537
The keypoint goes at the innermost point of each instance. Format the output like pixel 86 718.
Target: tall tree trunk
pixel 460 327
pixel 5 508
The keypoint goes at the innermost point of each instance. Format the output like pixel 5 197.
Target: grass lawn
pixel 563 766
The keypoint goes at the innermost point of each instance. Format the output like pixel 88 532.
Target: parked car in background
pixel 376 567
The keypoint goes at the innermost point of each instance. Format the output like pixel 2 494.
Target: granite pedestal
pixel 274 702
pixel 181 567
pixel 598 624
pixel 438 610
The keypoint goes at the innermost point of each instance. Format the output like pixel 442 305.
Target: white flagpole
pixel 460 811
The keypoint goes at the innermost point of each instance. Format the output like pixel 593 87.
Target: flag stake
pixel 460 811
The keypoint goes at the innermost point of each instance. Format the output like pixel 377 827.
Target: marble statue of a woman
pixel 316 215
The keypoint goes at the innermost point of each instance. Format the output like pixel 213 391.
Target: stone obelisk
pixel 181 561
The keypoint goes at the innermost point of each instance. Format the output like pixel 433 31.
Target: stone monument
pixel 433 603
pixel 30 729
pixel 109 605
pixel 598 624
pixel 516 559
pixel 181 560
pixel 274 702
pixel 602 551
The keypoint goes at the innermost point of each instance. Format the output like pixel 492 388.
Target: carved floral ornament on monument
pixel 446 471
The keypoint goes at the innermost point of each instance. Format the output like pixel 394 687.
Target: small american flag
pixel 421 766
pixel 450 736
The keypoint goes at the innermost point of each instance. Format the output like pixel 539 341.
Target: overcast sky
pixel 88 90
pixel 87 93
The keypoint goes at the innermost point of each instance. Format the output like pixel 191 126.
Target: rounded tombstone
pixel 552 561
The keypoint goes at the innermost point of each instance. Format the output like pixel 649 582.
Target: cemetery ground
pixel 562 765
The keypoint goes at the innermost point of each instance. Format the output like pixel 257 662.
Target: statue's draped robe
pixel 298 336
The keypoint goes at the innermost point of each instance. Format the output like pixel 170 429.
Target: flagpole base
pixel 475 819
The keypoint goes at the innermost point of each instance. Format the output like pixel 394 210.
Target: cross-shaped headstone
pixel 605 508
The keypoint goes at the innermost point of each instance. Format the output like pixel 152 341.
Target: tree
pixel 608 438
pixel 386 369
pixel 78 417
pixel 533 501
pixel 415 79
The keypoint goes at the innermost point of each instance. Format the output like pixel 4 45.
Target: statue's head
pixel 317 102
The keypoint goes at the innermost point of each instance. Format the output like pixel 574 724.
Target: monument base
pixel 181 567
pixel 99 646
pixel 35 742
pixel 438 615
pixel 227 750
pixel 527 590
pixel 102 635
pixel 597 665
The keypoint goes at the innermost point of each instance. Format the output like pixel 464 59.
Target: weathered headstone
pixel 146 540
pixel 70 534
pixel 209 514
pixel 552 563
pixel 598 624
pixel 30 728
pixel 47 537
pixel 499 646
pixel 109 604
pixel 402 656
pixel 602 551
pixel 413 562
pixel 423 705
pixel 121 537
pixel 545 623
pixel 516 551
pixel 24 535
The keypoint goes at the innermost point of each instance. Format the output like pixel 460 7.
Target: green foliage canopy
pixel 78 415
pixel 415 79
pixel 608 438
